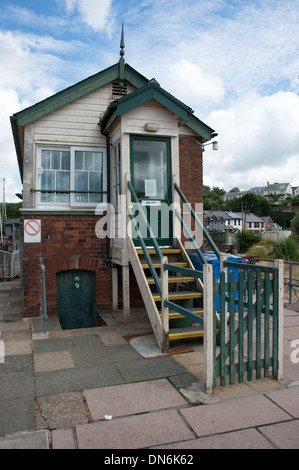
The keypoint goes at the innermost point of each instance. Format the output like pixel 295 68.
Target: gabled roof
pixel 78 90
pixel 152 91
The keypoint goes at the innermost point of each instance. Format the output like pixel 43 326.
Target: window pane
pixel 63 180
pixel 88 161
pixel 94 181
pixel 98 161
pixel 55 160
pixel 48 182
pixel 45 159
pixel 78 160
pixel 65 160
pixel 81 180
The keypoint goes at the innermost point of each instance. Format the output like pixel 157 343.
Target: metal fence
pixel 291 277
pixel 9 264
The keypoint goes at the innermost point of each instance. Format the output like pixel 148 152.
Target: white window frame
pixel 72 203
pixel 116 174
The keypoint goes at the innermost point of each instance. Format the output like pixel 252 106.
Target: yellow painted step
pixel 173 279
pixel 185 333
pixel 158 265
pixel 165 251
pixel 175 315
pixel 180 295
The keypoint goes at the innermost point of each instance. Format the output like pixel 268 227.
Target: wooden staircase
pixel 183 290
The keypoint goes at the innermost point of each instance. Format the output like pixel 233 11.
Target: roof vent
pixel 119 88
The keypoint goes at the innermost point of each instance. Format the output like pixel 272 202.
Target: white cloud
pixel 258 136
pixel 94 12
pixel 188 82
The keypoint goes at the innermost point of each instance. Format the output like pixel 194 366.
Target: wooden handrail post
pixel 279 264
pixel 208 327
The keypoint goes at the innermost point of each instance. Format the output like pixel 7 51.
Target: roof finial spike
pixel 122 42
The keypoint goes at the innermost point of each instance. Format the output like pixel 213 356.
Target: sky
pixel 234 62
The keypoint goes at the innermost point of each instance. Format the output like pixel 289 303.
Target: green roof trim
pixel 143 95
pixel 70 94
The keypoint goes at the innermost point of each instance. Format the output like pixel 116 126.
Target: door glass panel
pixel 150 169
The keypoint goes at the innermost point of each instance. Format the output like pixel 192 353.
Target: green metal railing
pixel 140 238
pixel 197 221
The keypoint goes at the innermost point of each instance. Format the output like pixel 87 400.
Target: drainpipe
pixel 101 124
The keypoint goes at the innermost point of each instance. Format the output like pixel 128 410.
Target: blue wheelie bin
pixel 211 258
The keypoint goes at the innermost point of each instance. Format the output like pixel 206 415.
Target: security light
pixel 214 143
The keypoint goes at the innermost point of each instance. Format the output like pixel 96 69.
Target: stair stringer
pixel 178 244
pixel 160 334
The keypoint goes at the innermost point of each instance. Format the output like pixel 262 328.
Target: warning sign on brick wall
pixel 32 231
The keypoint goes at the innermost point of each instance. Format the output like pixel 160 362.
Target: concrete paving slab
pixel 16 364
pixel 53 361
pixel 78 378
pixel 111 337
pixel 16 414
pixel 16 326
pixel 63 439
pixel 245 439
pixel 283 435
pixel 108 354
pixel 183 380
pixel 16 385
pixel 15 336
pixel 150 369
pixel 290 370
pixel 134 432
pixel 233 414
pixel 291 332
pixel 62 410
pixel 17 348
pixel 127 399
pixel 66 343
pixel 26 440
pixel 146 345
pixel 287 399
pixel 52 324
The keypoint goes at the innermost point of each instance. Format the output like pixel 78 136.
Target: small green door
pixel 151 180
pixel 76 299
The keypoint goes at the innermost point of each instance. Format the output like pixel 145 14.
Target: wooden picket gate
pixel 243 323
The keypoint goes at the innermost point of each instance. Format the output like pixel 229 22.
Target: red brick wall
pixel 67 242
pixel 191 181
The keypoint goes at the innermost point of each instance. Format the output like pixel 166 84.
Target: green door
pixel 76 299
pixel 151 179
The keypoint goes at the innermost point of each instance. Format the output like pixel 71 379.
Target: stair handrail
pixel 190 237
pixel 140 238
pixel 145 252
pixel 197 221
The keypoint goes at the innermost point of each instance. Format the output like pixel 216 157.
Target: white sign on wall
pixel 32 231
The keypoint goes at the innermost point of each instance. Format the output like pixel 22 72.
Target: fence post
pixel 223 258
pixel 279 264
pixel 208 326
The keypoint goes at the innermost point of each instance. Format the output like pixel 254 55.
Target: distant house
pixel 253 223
pixel 269 225
pixel 296 191
pixel 232 195
pixel 283 190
